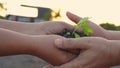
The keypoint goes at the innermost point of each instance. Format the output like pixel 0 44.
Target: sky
pixel 99 10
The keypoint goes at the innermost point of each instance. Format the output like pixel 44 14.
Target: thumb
pixel 71 43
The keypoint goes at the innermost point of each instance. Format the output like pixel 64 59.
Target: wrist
pixel 33 29
pixel 33 44
pixel 13 25
pixel 43 47
pixel 24 47
pixel 114 52
pixel 38 45
pixel 104 34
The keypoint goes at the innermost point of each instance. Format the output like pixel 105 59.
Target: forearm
pixel 112 35
pixel 12 43
pixel 15 26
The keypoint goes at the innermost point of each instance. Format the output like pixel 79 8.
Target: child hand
pixel 43 46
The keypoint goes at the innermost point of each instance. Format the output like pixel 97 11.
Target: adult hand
pixel 98 31
pixel 95 52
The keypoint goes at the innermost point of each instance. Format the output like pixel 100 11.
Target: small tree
pixel 108 26
pixel 118 28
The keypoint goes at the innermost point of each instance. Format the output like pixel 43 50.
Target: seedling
pixel 82 24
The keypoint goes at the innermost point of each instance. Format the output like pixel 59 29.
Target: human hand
pixel 95 52
pixel 43 47
pixel 40 28
pixel 98 31
pixel 48 27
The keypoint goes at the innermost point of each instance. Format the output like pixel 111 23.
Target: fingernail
pixel 59 42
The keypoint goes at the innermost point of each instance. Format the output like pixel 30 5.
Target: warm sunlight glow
pixel 3 13
pixel 23 11
pixel 100 10
pixel 14 8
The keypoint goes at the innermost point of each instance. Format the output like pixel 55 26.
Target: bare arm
pixel 42 46
pixel 41 28
pixel 12 43
pixel 15 26
pixel 113 35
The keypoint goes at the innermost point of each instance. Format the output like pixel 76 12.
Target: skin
pixel 47 50
pixel 33 39
pixel 42 46
pixel 41 28
pixel 95 52
pixel 100 50
pixel 12 43
pixel 32 48
pixel 98 31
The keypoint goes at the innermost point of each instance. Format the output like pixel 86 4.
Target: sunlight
pixel 23 11
pixel 14 8
pixel 100 10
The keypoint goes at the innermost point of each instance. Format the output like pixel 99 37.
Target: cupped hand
pixel 98 31
pixel 48 27
pixel 95 52
pixel 43 47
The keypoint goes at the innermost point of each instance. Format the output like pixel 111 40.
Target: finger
pixel 71 43
pixel 76 52
pixel 78 62
pixel 72 64
pixel 73 17
pixel 49 66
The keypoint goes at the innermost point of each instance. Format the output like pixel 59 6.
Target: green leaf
pixel 68 33
pixel 77 35
pixel 83 22
pixel 88 30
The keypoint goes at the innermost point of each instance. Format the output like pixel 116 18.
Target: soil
pixel 70 35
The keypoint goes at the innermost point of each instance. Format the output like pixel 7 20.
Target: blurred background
pixel 105 13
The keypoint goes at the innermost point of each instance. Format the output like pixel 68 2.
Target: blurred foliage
pixel 1 17
pixel 109 26
pixel 1 8
pixel 118 28
pixel 52 15
pixel 47 15
pixel 1 5
pixel 57 14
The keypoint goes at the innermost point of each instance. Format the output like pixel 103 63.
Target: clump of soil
pixel 69 34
